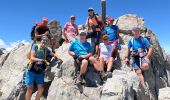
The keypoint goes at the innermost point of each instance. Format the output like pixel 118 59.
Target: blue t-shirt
pixel 80 48
pixel 111 31
pixel 40 54
pixel 137 43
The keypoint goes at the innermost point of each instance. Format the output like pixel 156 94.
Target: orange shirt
pixel 93 22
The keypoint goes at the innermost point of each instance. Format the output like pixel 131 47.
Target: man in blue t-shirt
pixel 35 71
pixel 81 51
pixel 141 52
pixel 113 32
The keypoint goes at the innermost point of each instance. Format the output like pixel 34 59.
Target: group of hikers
pixel 100 52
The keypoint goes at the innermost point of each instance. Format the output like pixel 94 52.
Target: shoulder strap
pixel 132 41
pixel 44 51
pixel 97 20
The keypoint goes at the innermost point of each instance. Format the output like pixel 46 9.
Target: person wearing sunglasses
pixel 35 71
pixel 105 55
pixel 81 51
pixel 94 26
pixel 70 30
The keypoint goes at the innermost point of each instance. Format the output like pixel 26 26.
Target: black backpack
pixel 33 32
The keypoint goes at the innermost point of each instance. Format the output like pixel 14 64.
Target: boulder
pixel 164 93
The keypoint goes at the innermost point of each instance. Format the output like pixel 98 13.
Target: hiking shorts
pixel 31 77
pixel 137 63
pixel 94 35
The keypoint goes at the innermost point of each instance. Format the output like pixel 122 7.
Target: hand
pixel 46 33
pixel 127 60
pixel 67 41
pixel 75 56
pixel 83 56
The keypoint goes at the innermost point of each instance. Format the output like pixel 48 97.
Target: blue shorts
pixel 32 77
pixel 137 63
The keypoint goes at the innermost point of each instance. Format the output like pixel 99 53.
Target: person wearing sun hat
pixel 105 55
pixel 113 32
pixel 70 30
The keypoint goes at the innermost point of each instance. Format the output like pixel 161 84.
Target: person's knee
pixel 41 88
pixel 145 66
pixel 111 60
pixel 101 59
pixel 30 89
pixel 84 61
pixel 91 59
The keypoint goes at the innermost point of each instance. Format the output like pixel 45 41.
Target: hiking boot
pixel 109 74
pixel 79 80
pixel 103 76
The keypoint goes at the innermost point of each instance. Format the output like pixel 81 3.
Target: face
pixel 44 42
pixel 83 37
pixel 105 40
pixel 136 33
pixel 72 20
pixel 110 22
pixel 91 13
pixel 45 22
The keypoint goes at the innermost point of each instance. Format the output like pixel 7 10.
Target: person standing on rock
pixel 41 30
pixel 140 54
pixel 70 31
pixel 36 68
pixel 105 55
pixel 113 32
pixel 94 27
pixel 81 51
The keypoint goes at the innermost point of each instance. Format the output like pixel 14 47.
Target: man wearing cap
pixel 140 54
pixel 42 30
pixel 81 51
pixel 105 55
pixel 113 32
pixel 95 25
pixel 35 71
pixel 70 30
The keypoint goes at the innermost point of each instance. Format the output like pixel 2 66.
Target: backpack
pixel 33 31
pixel 37 51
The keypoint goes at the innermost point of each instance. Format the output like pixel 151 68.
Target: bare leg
pixel 139 73
pixel 96 64
pixel 29 93
pixel 102 62
pixel 83 66
pixel 40 91
pixel 110 64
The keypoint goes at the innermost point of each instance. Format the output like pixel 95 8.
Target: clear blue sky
pixel 18 16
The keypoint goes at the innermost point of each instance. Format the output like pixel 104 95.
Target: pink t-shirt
pixel 70 29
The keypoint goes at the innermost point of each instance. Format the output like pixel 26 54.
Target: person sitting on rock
pixel 94 26
pixel 81 51
pixel 113 32
pixel 140 54
pixel 36 68
pixel 70 30
pixel 105 55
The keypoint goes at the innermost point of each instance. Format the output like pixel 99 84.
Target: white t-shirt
pixel 106 50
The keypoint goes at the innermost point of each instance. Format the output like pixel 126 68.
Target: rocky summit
pixel 59 81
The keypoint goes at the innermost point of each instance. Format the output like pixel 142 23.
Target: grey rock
pixel 164 93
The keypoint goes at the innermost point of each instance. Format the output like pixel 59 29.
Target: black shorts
pixel 95 35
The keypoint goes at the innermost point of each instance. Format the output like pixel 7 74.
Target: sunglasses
pixel 83 34
pixel 45 40
pixel 105 39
